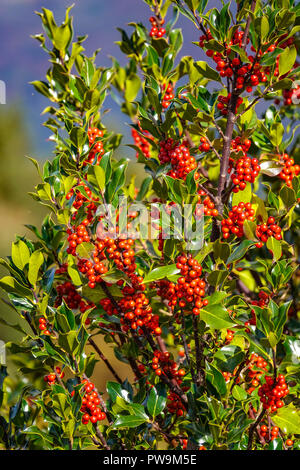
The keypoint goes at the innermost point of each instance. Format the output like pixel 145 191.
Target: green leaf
pixel 241 53
pixel 275 247
pixel 35 433
pixel 11 285
pixel 216 316
pixel 206 71
pixel 287 195
pixel 287 60
pixel 249 229
pixel 271 167
pixel 35 262
pixel 284 84
pixel 262 27
pixel 217 278
pixel 287 419
pixel 276 133
pixel 115 390
pixel 63 37
pixel 74 274
pixel 69 341
pixel 161 273
pixel 156 401
pixel 85 250
pixel 129 421
pixel 239 251
pixel 145 186
pixel 229 357
pixel 215 377
pixel 20 254
pixel 239 393
pixel 132 86
pixel 242 196
pixel 117 181
pixel 78 137
pixel 61 405
pixel 43 88
pixel 100 177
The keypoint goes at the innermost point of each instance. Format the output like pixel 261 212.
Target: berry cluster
pixel 227 376
pixel 289 94
pixel 204 147
pixel 141 143
pixel 245 170
pixel 180 158
pixel 168 95
pixel 190 288
pixel 272 392
pixel 229 336
pixel 262 302
pixel 122 253
pixel 97 150
pixel 236 218
pixel 81 199
pixel 137 313
pixel 44 326
pixel 77 235
pixel 240 145
pixel 67 292
pixel 257 367
pixel 247 75
pixel 265 432
pixel 266 230
pixel 90 404
pixel 209 205
pixel 51 378
pixel 93 269
pixel 156 30
pixel 175 405
pixel 223 102
pixel 290 169
pixel 163 364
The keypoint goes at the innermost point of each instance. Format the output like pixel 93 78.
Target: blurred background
pixel 21 131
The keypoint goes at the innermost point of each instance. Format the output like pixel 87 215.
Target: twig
pixel 274 364
pixel 252 415
pixel 253 427
pixel 246 32
pixel 102 439
pixel 198 352
pixel 105 360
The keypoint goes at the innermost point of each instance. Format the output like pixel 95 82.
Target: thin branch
pixel 102 438
pixel 253 428
pixel 258 432
pixel 246 32
pixel 186 349
pixel 105 360
pixel 265 92
pixel 198 352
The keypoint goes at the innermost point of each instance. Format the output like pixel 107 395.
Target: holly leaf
pixel 287 419
pixel 156 401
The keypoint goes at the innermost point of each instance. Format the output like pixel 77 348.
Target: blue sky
pixel 22 60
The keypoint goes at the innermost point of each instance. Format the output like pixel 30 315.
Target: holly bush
pixel 208 335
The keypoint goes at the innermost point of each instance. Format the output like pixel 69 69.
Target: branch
pixel 254 102
pixel 253 428
pixel 200 375
pixel 186 349
pixel 252 415
pixel 246 32
pixel 105 360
